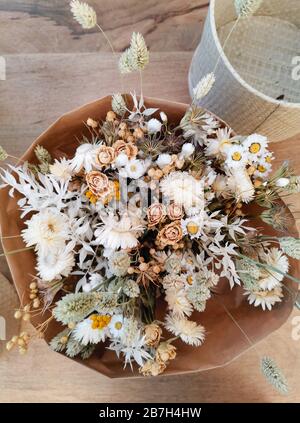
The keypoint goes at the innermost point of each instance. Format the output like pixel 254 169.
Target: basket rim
pixel 233 71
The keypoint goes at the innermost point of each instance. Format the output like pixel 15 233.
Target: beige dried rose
pixel 152 368
pixel 175 211
pixel 152 335
pixel 99 184
pixel 155 214
pixel 105 155
pixel 165 352
pixel 170 235
pixel 128 148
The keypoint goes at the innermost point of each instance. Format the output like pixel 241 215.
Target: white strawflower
pixel 118 233
pixel 163 160
pixel 178 303
pixel 134 169
pixel 183 189
pixel 255 145
pixel 246 7
pixel 61 169
pixel 87 332
pixel 55 264
pixel 204 86
pixel 84 14
pixel 269 279
pixel 187 330
pixel 217 147
pixel 236 157
pixel 47 230
pixel 265 298
pixel 154 126
pixel 192 226
pixel 118 263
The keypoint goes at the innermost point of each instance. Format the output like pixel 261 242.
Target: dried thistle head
pixel 84 14
pixel 278 217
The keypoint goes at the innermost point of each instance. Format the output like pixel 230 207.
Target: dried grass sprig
pixel 204 86
pixel 274 375
pixel 84 14
pixel 246 8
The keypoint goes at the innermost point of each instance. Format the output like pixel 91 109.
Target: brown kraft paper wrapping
pixel 224 341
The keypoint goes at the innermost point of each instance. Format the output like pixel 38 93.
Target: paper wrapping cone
pixel 224 341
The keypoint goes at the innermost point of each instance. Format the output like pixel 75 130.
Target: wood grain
pixel 39 26
pixel 38 89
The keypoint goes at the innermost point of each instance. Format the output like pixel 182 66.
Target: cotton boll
pixel 187 149
pixel 121 160
pixel 154 126
pixel 163 160
pixel 282 182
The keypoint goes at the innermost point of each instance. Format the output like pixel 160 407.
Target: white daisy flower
pixel 134 169
pixel 61 169
pixel 117 232
pixel 188 331
pixel 92 330
pixel 54 265
pixel 178 303
pixel 236 157
pixel 84 158
pixel 47 230
pixel 192 226
pixel 269 279
pixel 263 169
pixel 116 326
pixel 218 147
pixel 265 298
pixel 255 145
pixel 183 189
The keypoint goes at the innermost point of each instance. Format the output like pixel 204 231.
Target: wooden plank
pixel 36 26
pixel 39 88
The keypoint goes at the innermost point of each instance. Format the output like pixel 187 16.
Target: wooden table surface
pixel 52 67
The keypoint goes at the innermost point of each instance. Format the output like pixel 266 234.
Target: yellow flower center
pixel 118 325
pixel 93 199
pixel 236 156
pixel 117 190
pixel 255 148
pixel 133 168
pixel 192 228
pixel 261 168
pixel 190 279
pixel 268 159
pixel 100 321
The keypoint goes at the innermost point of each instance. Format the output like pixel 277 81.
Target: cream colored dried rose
pixel 155 214
pixel 175 212
pixel 105 155
pixel 170 234
pixel 128 148
pixel 165 352
pixel 99 184
pixel 152 368
pixel 152 334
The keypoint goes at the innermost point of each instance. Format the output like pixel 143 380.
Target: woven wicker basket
pixel 254 90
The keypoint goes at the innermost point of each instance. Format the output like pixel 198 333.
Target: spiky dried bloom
pixel 274 375
pixel 3 154
pixel 204 86
pixel 136 57
pixel 246 7
pixel 118 104
pixel 278 217
pixel 42 154
pixel 59 342
pixel 84 14
pixel 290 246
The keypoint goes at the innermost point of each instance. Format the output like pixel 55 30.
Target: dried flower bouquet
pixel 146 212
